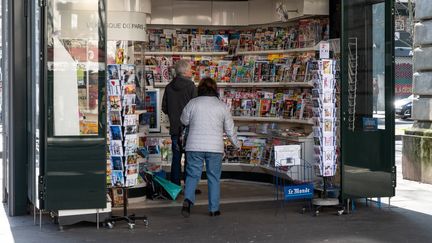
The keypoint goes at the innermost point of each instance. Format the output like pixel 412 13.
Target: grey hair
pixel 181 67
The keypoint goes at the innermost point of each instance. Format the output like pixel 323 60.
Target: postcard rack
pixel 123 163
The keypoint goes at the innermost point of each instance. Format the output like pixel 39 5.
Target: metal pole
pixel 34 214
pixel 40 219
pixel 97 218
pixel 348 206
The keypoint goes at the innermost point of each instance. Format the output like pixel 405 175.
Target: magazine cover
pixel 234 73
pixel 224 71
pixel 164 69
pixel 246 107
pixel 150 80
pixel 265 105
pixel 207 43
pixel 195 43
pixel 220 42
pixel 182 42
pixel 246 42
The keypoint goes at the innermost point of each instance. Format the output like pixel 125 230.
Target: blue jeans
pixel 176 170
pixel 194 171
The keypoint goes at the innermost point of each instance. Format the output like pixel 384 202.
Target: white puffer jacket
pixel 208 118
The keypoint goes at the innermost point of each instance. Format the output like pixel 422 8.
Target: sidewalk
pixel 254 222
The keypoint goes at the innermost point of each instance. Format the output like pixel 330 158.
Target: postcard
pixel 131 160
pixel 129 110
pixel 129 99
pixel 115 103
pixel 113 72
pixel 117 178
pixel 129 89
pixel 116 132
pixel 129 130
pixel 115 118
pixel 117 163
pixel 116 148
pixel 130 120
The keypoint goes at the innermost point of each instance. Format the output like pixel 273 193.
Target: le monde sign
pixel 126 26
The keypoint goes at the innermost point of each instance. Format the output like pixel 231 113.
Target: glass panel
pixel 378 67
pixel 74 68
pixel 366 65
pixel 367 143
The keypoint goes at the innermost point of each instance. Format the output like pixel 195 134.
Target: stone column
pixel 417 142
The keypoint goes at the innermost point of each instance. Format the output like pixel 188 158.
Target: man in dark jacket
pixel 177 94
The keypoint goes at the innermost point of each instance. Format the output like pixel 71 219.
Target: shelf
pixel 160 84
pixel 155 135
pixel 244 167
pixel 253 134
pixel 173 53
pixel 306 49
pixel 224 53
pixel 272 119
pixel 269 84
pixel 260 84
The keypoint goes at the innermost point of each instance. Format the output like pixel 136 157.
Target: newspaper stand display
pixel 299 184
pixel 123 123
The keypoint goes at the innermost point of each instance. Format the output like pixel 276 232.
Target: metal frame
pixel 383 138
pixel 15 78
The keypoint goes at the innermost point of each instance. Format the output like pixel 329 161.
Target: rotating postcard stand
pixel 123 136
pixel 325 129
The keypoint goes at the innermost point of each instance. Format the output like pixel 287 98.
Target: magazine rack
pixel 130 219
pixel 301 188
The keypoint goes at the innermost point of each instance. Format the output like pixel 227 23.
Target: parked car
pixel 403 107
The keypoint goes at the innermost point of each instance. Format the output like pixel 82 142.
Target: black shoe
pixel 217 213
pixel 186 208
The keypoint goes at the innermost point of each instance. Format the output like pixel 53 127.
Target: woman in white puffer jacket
pixel 208 118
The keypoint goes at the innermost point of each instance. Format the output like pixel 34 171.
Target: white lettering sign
pixel 126 26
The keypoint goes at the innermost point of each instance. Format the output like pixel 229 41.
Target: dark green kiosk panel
pixel 367 91
pixel 73 164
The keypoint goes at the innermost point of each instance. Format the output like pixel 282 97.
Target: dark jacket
pixel 177 94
